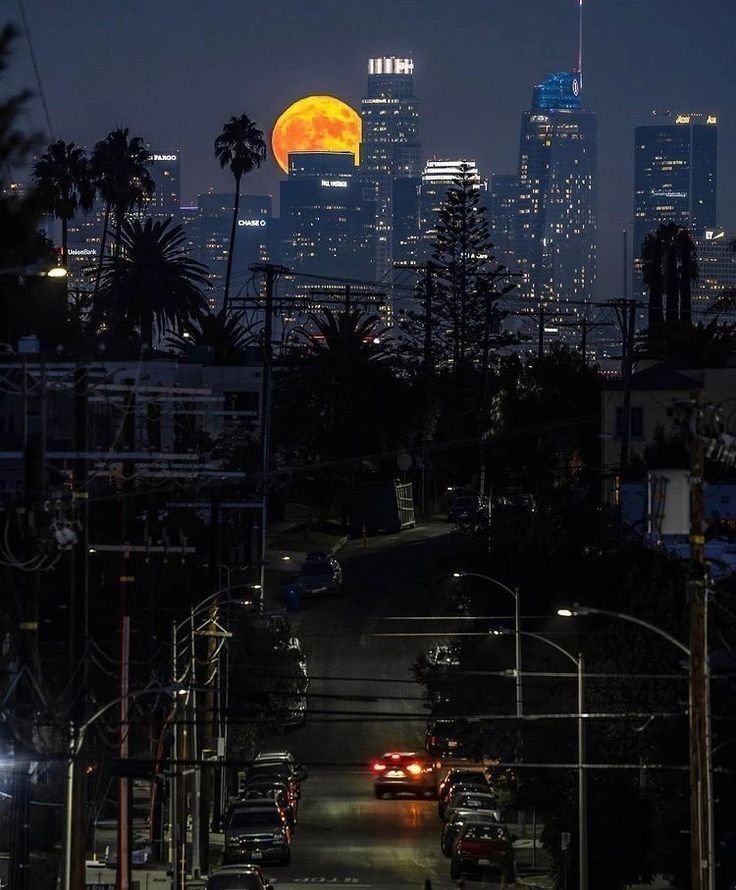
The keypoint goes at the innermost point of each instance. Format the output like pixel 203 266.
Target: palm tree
pixel 224 334
pixel 338 341
pixel 63 179
pixel 651 260
pixel 120 175
pixel 687 262
pixel 240 147
pixel 686 346
pixel 150 279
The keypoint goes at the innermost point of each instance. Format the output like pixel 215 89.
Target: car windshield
pixel 484 833
pixel 317 568
pixel 464 502
pixel 468 778
pixel 249 818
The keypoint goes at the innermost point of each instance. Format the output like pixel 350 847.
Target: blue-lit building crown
pixel 558 92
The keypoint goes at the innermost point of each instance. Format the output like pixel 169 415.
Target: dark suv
pixel 257 834
pixel 451 738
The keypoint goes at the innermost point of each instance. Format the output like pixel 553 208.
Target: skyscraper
pixel 212 230
pixel 716 268
pixel 675 177
pixel 437 177
pixel 164 168
pixel 390 147
pixel 327 216
pixel 557 191
pixel 504 219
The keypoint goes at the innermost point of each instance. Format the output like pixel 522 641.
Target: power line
pixel 36 72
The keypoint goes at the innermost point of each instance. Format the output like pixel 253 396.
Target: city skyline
pixel 471 92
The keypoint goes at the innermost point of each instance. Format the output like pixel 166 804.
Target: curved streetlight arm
pixel 132 696
pixel 586 610
pixel 513 593
pixel 542 639
pixel 207 600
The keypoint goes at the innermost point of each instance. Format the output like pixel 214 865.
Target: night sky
pixel 174 70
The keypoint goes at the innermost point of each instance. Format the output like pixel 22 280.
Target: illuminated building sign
pixel 334 183
pixel 163 157
pixel 711 119
pixel 82 251
pixel 714 234
pixel 252 223
pixel 661 194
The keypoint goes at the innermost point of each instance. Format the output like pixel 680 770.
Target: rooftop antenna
pixel 580 43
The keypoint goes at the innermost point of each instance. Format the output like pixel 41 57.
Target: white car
pixel 472 801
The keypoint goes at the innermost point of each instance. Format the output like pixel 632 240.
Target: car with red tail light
pixel 404 772
pixel 483 848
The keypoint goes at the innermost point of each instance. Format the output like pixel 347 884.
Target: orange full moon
pixel 316 123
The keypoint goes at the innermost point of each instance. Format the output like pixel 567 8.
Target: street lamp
pixel 212 602
pixel 578 610
pixel 76 741
pixel 582 779
pixel 515 593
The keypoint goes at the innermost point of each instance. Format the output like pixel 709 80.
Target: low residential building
pixel 655 388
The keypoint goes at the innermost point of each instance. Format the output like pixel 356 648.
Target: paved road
pixel 345 837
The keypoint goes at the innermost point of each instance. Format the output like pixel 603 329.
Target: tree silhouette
pixel 224 334
pixel 63 178
pixel 120 175
pixel 467 274
pixel 240 147
pixel 151 280
pixel 669 267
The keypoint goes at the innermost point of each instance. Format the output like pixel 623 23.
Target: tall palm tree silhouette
pixel 240 147
pixel 150 281
pixel 63 179
pixel 121 178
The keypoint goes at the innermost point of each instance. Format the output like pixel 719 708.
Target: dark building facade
pixel 165 170
pixel 504 219
pixel 390 148
pixel 327 216
pixel 675 177
pixel 212 228
pixel 557 239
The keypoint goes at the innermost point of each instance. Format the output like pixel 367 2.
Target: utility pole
pixel 701 822
pixel 79 620
pixel 27 661
pixel 626 314
pixel 428 368
pixel 122 876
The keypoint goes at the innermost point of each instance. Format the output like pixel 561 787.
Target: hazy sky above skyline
pixel 174 70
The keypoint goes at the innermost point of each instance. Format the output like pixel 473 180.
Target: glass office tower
pixel 391 148
pixel 557 238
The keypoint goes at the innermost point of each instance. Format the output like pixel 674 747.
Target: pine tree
pixel 466 275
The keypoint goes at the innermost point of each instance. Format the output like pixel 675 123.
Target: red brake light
pixel 414 768
pixel 379 767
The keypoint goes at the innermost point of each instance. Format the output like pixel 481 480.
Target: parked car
pixel 404 772
pixel 453 827
pixel 273 789
pixel 257 833
pixel 483 848
pixel 238 877
pixel 469 778
pixel 451 738
pixel 257 795
pixel 321 574
pixel 463 799
pixel 469 508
